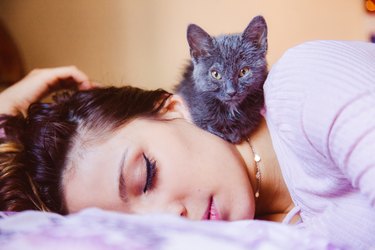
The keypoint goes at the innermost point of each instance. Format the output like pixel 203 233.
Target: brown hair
pixel 34 150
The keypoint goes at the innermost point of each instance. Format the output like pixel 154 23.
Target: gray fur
pixel 229 107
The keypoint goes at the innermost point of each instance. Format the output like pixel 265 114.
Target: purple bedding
pixel 96 229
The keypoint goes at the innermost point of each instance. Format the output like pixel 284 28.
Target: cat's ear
pixel 256 33
pixel 175 107
pixel 200 41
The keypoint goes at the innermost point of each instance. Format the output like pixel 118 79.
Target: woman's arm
pixel 38 84
pixel 338 110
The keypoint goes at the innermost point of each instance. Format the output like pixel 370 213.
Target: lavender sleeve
pixel 338 111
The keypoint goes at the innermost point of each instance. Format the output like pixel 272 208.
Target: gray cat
pixel 223 84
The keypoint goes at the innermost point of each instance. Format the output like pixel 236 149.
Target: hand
pixel 37 85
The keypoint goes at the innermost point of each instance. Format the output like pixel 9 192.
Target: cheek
pixel 204 81
pixel 175 175
pixel 182 162
pixel 192 167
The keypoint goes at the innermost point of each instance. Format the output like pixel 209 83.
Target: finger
pixel 44 81
pixel 39 83
pixel 61 73
pixel 58 72
pixel 88 85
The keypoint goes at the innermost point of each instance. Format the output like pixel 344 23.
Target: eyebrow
pixel 121 182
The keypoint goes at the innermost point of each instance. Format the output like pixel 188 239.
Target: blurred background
pixel 143 42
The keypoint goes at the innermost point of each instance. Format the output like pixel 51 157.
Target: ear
pixel 256 33
pixel 174 108
pixel 200 41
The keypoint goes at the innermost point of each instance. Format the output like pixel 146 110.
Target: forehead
pixel 232 50
pixel 92 175
pixel 229 42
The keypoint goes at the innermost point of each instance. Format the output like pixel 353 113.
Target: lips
pixel 211 212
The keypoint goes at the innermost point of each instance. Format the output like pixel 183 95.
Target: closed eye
pixel 151 174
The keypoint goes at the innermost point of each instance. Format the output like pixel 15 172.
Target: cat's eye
pixel 215 75
pixel 244 71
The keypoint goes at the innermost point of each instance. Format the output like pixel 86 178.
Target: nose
pixel 230 90
pixel 177 209
pixel 162 206
pixel 231 93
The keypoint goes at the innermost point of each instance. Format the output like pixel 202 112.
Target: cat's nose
pixel 231 92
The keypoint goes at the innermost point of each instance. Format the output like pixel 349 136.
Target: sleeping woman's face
pixel 156 166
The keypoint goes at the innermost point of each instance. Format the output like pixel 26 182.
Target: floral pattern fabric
pixel 96 229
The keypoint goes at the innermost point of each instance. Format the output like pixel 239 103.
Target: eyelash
pixel 151 173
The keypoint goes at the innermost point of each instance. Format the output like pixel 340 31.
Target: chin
pixel 232 102
pixel 247 213
pixel 248 216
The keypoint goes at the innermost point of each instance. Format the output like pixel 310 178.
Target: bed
pixel 97 229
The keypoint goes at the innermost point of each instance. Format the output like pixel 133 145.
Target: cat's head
pixel 229 66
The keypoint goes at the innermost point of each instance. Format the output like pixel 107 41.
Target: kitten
pixel 223 84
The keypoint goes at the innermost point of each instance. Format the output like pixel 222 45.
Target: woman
pixel 135 151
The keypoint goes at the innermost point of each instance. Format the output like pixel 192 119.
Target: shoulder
pixel 325 48
pixel 318 56
pixel 324 73
pixel 313 82
pixel 322 66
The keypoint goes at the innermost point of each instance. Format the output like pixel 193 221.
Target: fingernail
pixel 85 85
